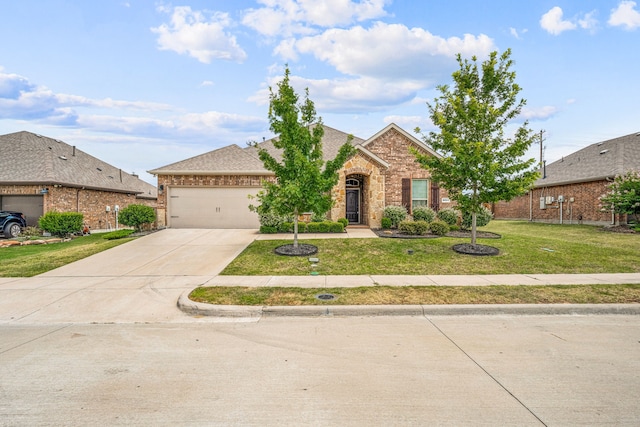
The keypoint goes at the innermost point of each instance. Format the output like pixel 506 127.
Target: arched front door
pixel 354 199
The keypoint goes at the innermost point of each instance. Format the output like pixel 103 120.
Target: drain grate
pixel 325 297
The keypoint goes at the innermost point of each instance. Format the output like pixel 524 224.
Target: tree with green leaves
pixel 479 164
pixel 303 179
pixel 623 196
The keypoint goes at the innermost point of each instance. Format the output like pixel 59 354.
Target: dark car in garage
pixel 12 223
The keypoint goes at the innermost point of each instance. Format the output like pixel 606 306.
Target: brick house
pixel 40 174
pixel 569 189
pixel 214 190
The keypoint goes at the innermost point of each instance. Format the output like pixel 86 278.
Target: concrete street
pixel 102 342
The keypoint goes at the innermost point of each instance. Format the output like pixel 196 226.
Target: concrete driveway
pixel 139 281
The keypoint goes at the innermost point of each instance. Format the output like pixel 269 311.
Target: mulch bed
pixel 478 250
pixel 303 249
pixel 619 229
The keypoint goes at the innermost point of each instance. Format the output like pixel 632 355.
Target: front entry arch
pixel 354 206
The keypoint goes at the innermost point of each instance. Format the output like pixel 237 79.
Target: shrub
pixel 136 215
pixel 285 227
pixel 325 226
pixel 396 214
pixel 482 218
pixel 424 213
pixel 344 222
pixel 313 227
pixel 302 227
pixel 337 227
pixel 414 228
pixel 385 222
pixel 449 215
pixel 118 234
pixel 454 228
pixel 61 223
pixel 439 228
pixel 271 219
pixel 268 229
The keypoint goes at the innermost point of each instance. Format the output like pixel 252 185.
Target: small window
pixel 419 193
pixel 352 182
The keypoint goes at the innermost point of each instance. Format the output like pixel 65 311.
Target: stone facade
pixel 584 209
pixel 91 203
pixel 372 192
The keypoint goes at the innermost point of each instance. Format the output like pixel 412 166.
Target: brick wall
pixel 393 148
pixel 584 209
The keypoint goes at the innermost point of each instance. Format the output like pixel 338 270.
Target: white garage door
pixel 211 208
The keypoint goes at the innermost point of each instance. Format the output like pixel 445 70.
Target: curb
pixel 242 311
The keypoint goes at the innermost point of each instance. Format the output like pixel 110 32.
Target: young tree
pixel 137 215
pixel 479 164
pixel 624 195
pixel 303 180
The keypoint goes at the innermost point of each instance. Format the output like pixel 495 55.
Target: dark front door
pixel 353 206
pixel 435 197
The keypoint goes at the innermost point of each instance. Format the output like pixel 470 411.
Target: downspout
pixel 531 205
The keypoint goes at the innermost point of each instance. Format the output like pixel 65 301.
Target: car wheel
pixel 12 230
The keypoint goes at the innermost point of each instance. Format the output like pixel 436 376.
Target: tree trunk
pixel 473 228
pixel 295 228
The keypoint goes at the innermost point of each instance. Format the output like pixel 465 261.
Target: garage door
pixel 211 208
pixel 30 206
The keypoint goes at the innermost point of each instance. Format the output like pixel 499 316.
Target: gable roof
pixel 233 160
pixel 596 162
pixel 412 139
pixel 29 159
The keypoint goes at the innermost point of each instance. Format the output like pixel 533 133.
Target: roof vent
pixel 99 170
pixel 603 151
pixel 63 157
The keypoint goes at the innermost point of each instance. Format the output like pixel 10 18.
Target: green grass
pixel 31 260
pixel 525 248
pixel 422 295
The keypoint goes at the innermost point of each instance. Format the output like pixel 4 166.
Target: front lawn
pixel 31 260
pixel 525 248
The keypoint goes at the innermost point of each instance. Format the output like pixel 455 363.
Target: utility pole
pixel 541 146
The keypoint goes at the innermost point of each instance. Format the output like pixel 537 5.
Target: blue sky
pixel 141 84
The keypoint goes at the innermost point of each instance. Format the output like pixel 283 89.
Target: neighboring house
pixel 569 189
pixel 40 174
pixel 213 190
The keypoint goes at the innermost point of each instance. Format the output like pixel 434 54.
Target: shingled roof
pixel 233 160
pixel 29 159
pixel 596 162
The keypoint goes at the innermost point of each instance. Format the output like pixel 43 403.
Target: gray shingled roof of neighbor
pixel 29 159
pixel 596 162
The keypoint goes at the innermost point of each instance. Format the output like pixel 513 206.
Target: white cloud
pixel 22 100
pixel 342 95
pixel 540 113
pixel 389 50
pixel 410 122
pixel 552 22
pixel 191 32
pixel 289 17
pixel 625 16
pixel 588 22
